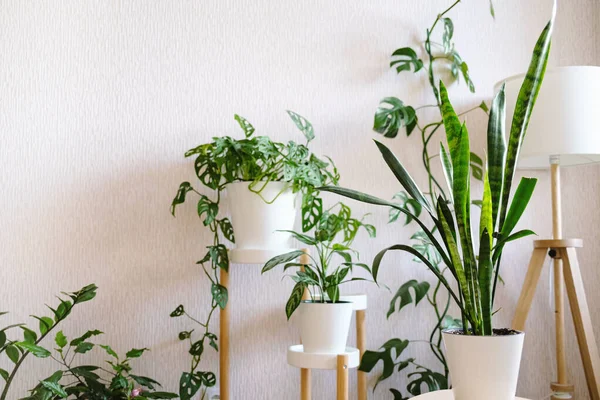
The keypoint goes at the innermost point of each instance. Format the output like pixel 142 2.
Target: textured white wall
pixel 99 100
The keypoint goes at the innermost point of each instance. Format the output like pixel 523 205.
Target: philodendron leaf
pixel 295 299
pixel 406 298
pixel 447 36
pixel 303 124
pixel 227 229
pixel 391 115
pixel 404 59
pixel 311 213
pixel 208 378
pixel 398 395
pixel 389 352
pixel 281 259
pixel 178 312
pixel 245 125
pixel 430 380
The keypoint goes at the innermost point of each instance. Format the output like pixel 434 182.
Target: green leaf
pixel 464 68
pixel 302 123
pixel 515 236
pixel 447 36
pixel 208 378
pixel 227 229
pixel 160 395
pixel 60 339
pixel 55 388
pixel 145 381
pixel 178 312
pixel 29 335
pixel 219 295
pixel 281 259
pixel 391 115
pixel 208 209
pixel 403 176
pixel 390 351
pixel 486 221
pixel 212 341
pixel 447 168
pixel 135 353
pixel 404 59
pixel 2 338
pixel 184 188
pixel 45 324
pixel 403 293
pixel 404 202
pixel 109 351
pixel 301 237
pixel 431 380
pixel 518 205
pixel 219 257
pixel 4 374
pixel 295 299
pixel 185 335
pixel 85 337
pixel 484 107
pixel 13 353
pixel 245 125
pixel 37 351
pixel 86 293
pixel 188 386
pixel 485 279
pixel 311 213
pixel 84 347
pixel 523 108
pixel 496 151
pixel 476 166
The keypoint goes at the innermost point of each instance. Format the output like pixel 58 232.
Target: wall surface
pixel 100 99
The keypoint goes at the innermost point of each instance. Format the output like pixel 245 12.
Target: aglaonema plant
pixel 256 160
pixel 322 276
pixel 474 272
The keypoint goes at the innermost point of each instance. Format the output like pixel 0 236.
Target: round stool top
pixel 298 358
pixel 444 395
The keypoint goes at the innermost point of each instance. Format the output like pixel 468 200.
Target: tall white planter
pixel 256 223
pixel 324 327
pixel 483 367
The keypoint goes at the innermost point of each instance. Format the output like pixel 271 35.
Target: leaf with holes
pixel 184 188
pixel 189 385
pixel 405 296
pixel 311 213
pixel 447 36
pixel 245 125
pixel 391 115
pixel 227 229
pixel 219 295
pixel 178 312
pixel 219 257
pixel 404 59
pixel 303 124
pixel 208 378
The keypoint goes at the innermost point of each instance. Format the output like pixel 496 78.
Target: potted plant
pixel 324 319
pixel 483 362
pixel 262 180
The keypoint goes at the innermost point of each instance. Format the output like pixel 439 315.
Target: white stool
pixel 444 395
pixel 340 362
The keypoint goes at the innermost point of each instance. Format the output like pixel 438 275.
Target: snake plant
pixel 476 273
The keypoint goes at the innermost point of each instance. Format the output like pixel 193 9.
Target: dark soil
pixel 497 332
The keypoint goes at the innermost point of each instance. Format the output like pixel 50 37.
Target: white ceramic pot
pixel 483 367
pixel 256 223
pixel 324 327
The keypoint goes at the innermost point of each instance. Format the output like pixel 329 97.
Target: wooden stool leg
pixel 361 343
pixel 534 271
pixel 582 321
pixel 342 377
pixel 305 384
pixel 224 343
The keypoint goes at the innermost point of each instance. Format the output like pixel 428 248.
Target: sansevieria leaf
pixel 485 281
pixel 496 151
pixel 523 108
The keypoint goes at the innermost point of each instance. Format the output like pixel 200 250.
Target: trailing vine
pixel 256 160
pixel 392 116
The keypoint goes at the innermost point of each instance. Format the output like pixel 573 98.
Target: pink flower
pixel 136 392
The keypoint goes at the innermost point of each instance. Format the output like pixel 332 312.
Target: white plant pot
pixel 256 223
pixel 483 367
pixel 324 327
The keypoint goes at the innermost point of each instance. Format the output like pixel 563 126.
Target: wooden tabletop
pixel 444 395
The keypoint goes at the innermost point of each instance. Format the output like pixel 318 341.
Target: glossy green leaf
pixel 84 347
pixel 295 299
pixel 220 295
pixel 302 123
pixel 522 113
pixel 85 337
pixel 281 259
pixel 227 229
pixel 486 221
pixel 405 296
pixel 447 168
pixel 518 205
pixel 37 351
pixel 189 385
pixel 183 190
pixel 311 213
pixel 55 388
pixel 391 115
pixel 496 152
pixel 60 339
pixel 405 59
pixel 245 125
pixel 486 281
pixel 447 36
pixel 13 353
pixel 135 353
pixel 389 352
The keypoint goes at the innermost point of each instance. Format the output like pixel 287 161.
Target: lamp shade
pixel 565 120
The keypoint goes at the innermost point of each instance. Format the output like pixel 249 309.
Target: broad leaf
pixel 37 351
pixel 245 125
pixel 295 299
pixel 391 115
pixel 496 152
pixel 184 188
pixel 281 259
pixel 404 59
pixel 302 123
pixel 406 298
pixel 220 295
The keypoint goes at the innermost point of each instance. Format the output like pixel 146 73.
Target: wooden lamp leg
pixel 534 271
pixel 224 343
pixel 582 321
pixel 361 343
pixel 342 377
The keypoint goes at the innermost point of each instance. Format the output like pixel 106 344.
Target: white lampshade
pixel 565 120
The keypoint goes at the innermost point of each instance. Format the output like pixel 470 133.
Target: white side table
pixel 444 395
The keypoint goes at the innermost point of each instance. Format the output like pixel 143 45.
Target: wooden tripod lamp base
pixel 564 250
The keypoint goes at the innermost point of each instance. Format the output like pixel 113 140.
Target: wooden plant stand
pixel 563 250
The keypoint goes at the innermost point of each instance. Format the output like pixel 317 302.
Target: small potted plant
pixel 483 361
pixel 324 319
